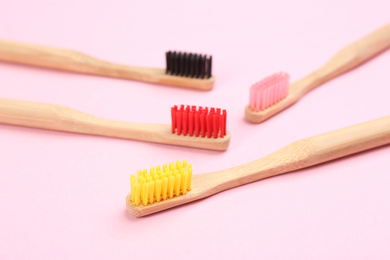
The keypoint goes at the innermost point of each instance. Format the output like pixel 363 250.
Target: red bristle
pixel 209 122
pixel 178 121
pixel 185 121
pixel 218 119
pixel 192 120
pixel 221 134
pixel 197 123
pixel 191 123
pixel 215 125
pixel 173 118
pixel 209 119
pixel 188 120
pixel 224 122
pixel 203 123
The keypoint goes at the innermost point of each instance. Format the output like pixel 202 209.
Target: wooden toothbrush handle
pixel 68 60
pixel 348 58
pixel 303 153
pixel 47 116
pixel 48 57
pixel 346 141
pixel 329 146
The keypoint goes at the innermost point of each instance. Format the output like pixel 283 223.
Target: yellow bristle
pixel 137 194
pixel 151 191
pixel 178 163
pixel 184 181
pixel 171 166
pixel 189 177
pixel 161 183
pixel 171 186
pixel 157 190
pixel 164 188
pixel 152 172
pixel 177 184
pixel 132 187
pixel 141 181
pixel 145 193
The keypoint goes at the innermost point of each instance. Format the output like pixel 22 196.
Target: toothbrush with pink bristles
pixel 274 93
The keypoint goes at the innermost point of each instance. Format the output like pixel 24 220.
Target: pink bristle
pixel 269 91
pixel 252 97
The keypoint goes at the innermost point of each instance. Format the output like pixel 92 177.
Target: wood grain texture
pixel 346 59
pixel 300 154
pixel 61 118
pixel 68 60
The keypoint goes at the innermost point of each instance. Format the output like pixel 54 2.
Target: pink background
pixel 62 196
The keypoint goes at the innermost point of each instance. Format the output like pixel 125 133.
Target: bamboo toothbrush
pixel 204 133
pixel 271 95
pixel 297 155
pixel 186 70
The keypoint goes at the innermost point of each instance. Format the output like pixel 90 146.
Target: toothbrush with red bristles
pixel 274 93
pixel 201 122
pixel 200 128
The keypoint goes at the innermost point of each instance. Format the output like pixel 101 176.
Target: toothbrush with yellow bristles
pixel 161 183
pixel 298 155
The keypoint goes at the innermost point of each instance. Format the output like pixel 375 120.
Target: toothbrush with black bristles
pixel 186 70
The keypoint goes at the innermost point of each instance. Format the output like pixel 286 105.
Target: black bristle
pixel 177 71
pixel 187 61
pixel 192 65
pixel 208 66
pixel 202 65
pixel 168 62
pixel 196 66
pixel 174 63
pixel 183 64
pixel 188 64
